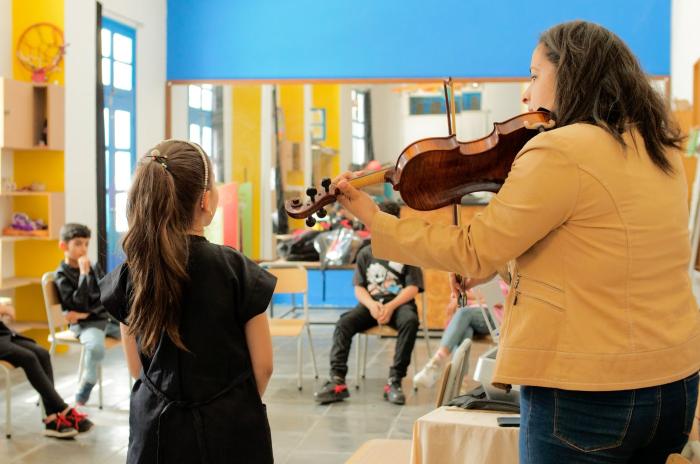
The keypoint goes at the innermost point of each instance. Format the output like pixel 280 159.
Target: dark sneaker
pixel 60 427
pixel 83 394
pixel 79 420
pixel 393 392
pixel 332 391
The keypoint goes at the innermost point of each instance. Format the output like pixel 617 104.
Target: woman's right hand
pixel 465 283
pixel 457 288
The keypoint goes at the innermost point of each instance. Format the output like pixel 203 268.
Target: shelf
pixel 21 193
pixel 20 238
pixel 34 148
pixel 23 326
pixel 15 282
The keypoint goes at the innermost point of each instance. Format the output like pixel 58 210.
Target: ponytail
pixel 167 187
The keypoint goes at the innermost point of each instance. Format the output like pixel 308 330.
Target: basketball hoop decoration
pixel 40 49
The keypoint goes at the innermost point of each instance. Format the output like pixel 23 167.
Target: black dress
pixel 201 406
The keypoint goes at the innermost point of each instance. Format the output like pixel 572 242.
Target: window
pixel 359 128
pixel 206 123
pixel 118 79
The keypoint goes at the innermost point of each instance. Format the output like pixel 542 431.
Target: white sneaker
pixel 428 376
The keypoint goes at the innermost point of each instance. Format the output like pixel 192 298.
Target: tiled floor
pixel 302 431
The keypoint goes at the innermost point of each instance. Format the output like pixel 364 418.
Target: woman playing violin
pixel 601 327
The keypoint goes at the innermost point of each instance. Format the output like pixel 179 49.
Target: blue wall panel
pixel 334 39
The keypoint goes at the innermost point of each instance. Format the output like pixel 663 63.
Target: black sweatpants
pixel 36 362
pixel 404 320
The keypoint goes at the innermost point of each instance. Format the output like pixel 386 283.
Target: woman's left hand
pixel 358 203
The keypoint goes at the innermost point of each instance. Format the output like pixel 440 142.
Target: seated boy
pixel 386 292
pixel 76 281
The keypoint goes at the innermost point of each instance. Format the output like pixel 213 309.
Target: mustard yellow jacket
pixel 600 297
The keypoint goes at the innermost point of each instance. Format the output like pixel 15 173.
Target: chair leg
pixel 415 367
pixel 311 348
pixel 364 356
pixel 80 365
pixel 8 405
pixel 426 336
pixel 299 362
pixel 99 381
pixel 358 348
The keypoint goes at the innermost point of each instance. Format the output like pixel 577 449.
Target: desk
pixel 450 435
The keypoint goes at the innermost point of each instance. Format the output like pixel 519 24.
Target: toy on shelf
pixel 22 225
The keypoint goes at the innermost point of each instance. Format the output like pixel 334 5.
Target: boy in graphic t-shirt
pixel 386 293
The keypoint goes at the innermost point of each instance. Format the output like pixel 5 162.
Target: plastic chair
pixel 59 334
pixel 292 279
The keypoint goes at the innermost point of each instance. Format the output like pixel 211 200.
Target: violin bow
pixel 448 86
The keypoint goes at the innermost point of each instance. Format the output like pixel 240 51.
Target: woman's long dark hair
pixel 166 190
pixel 600 81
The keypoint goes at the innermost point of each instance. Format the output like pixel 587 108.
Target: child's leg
pixel 405 320
pixel 42 355
pixel 354 321
pixel 33 359
pixel 478 322
pixel 112 330
pixel 93 340
pixel 457 330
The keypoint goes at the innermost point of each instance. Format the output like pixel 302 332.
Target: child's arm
pixel 131 351
pixel 365 299
pixel 7 311
pixel 407 294
pixel 74 298
pixel 257 334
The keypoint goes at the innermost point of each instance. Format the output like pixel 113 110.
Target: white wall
pixel 387 122
pixel 685 47
pixel 393 129
pixel 6 38
pixel 149 19
pixel 179 127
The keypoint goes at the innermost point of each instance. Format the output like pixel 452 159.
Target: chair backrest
pixel 442 385
pixel 460 366
pixel 52 303
pixel 492 295
pixel 291 278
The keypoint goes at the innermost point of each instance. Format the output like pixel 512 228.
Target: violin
pixel 438 171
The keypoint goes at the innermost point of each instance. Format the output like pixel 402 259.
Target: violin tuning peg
pixel 321 213
pixel 326 184
pixel 310 221
pixel 311 192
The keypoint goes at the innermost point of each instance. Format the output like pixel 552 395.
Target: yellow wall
pixel 291 100
pixel 34 257
pixel 24 14
pixel 328 96
pixel 246 148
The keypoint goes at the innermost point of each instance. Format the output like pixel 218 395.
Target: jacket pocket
pixel 592 421
pixel 543 292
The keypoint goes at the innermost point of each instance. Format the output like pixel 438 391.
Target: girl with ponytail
pixel 193 319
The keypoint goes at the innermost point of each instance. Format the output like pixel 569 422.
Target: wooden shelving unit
pixel 31 124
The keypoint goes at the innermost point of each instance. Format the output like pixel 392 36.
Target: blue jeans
pixel 636 426
pixel 463 325
pixel 93 340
